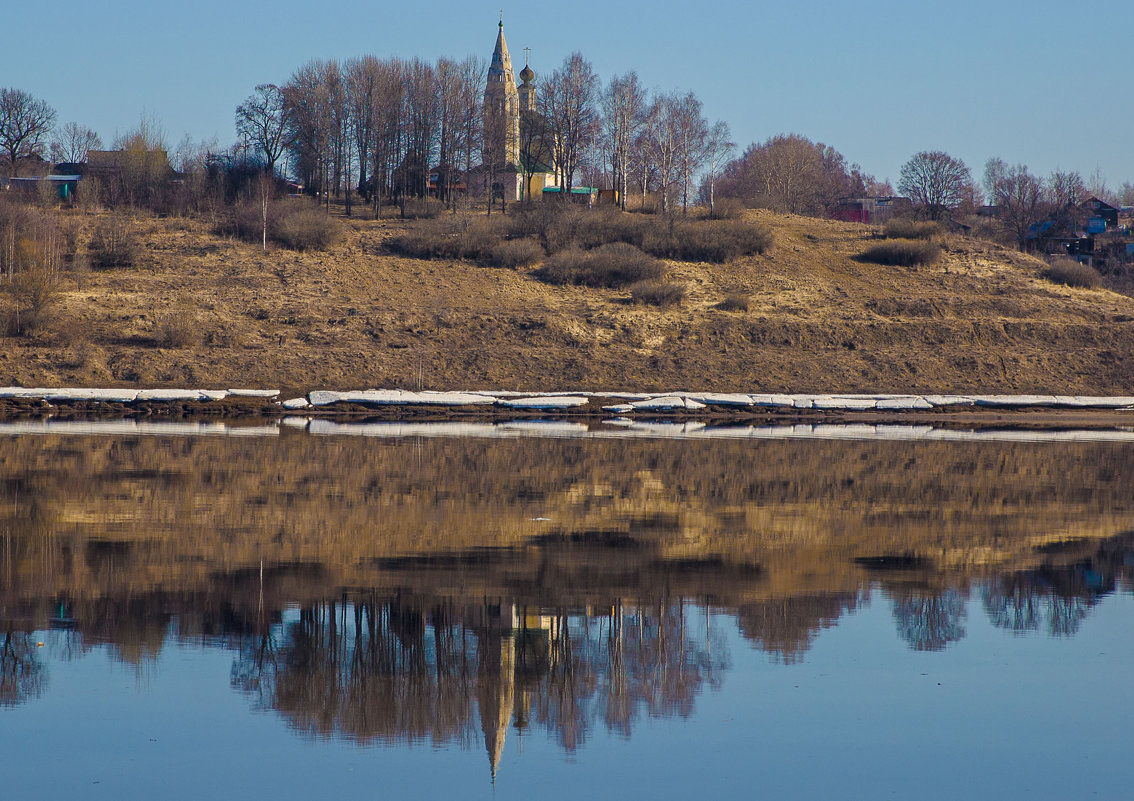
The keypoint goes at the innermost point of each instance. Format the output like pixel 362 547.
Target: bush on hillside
pixel 902 253
pixel 514 253
pixel 613 265
pixel 906 228
pixel 734 301
pixel 658 293
pixel 1072 273
pixel 305 228
pixel 34 293
pixel 716 241
pixel 113 244
pixel 451 238
pixel 177 330
pixel 561 227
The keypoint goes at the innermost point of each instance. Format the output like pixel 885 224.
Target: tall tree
pixel 935 181
pixel 660 145
pixel 260 121
pixel 624 107
pixel 25 123
pixel 1018 195
pixel 692 130
pixel 718 149
pixel 307 112
pixel 569 103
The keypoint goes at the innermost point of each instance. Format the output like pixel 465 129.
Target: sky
pixel 1037 82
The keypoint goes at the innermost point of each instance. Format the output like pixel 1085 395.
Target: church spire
pixel 502 105
pixel 501 67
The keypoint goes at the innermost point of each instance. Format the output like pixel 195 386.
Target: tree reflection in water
pixel 927 619
pixel 22 674
pixel 398 670
pixel 1053 600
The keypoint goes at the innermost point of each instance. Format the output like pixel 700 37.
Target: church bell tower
pixel 501 107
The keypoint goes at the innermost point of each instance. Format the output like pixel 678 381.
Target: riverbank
pixel 806 316
pixel 588 407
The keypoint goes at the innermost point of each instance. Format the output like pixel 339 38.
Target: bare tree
pixel 624 113
pixel 936 181
pixel 260 122
pixel 72 142
pixel 1017 194
pixel 790 173
pixel 692 130
pixel 363 77
pixel 1097 187
pixel 450 96
pixel 308 115
pixel 660 145
pixel 718 149
pixel 569 102
pixel 472 83
pixel 25 123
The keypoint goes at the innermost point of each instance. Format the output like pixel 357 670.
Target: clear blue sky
pixel 1036 81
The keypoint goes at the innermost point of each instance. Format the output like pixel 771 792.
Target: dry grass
pixel 734 301
pixel 980 319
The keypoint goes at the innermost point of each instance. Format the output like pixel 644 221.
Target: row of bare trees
pixel 381 126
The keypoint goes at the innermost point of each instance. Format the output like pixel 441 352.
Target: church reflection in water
pixel 397 671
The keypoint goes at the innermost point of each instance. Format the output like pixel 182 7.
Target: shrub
pixel 423 209
pixel 1072 273
pixel 714 241
pixel 721 241
pixel 451 238
pixel 658 293
pixel 427 241
pixel 177 330
pixel 734 301
pixel 906 228
pixel 514 253
pixel 246 221
pixel 305 229
pixel 113 244
pixel 614 265
pixel 34 292
pixel 902 253
pixel 562 227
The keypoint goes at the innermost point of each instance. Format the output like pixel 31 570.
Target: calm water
pixel 294 614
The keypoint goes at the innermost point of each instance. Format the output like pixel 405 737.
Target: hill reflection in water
pixel 469 590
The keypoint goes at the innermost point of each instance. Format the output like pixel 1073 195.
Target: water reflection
pixel 453 591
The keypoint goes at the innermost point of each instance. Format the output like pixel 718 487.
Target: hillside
pixel 981 319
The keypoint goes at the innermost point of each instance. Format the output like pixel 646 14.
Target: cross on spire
pixel 527 55
pixel 501 19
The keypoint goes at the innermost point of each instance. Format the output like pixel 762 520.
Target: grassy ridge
pixel 201 307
